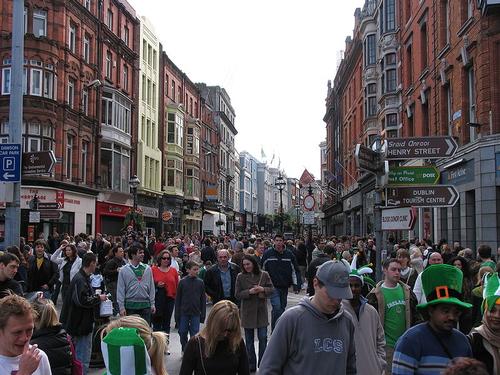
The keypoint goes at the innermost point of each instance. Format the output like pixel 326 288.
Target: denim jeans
pixel 83 350
pixel 166 310
pixel 249 342
pixel 278 304
pixel 143 313
pixel 188 323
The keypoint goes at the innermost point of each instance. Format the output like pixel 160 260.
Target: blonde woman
pixel 51 337
pixel 156 342
pixel 218 348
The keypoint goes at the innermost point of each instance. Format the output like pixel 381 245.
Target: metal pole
pixel 281 208
pixel 377 212
pixel 13 209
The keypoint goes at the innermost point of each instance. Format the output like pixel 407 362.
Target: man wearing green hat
pixel 430 346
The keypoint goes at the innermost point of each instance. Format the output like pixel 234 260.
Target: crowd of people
pixel 437 309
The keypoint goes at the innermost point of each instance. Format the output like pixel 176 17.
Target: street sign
pixel 308 217
pixel 399 218
pixel 420 148
pixel 422 196
pixel 36 163
pixel 367 159
pixel 34 217
pixel 49 206
pixel 10 162
pixel 309 202
pixel 60 198
pixel 51 215
pixel 413 175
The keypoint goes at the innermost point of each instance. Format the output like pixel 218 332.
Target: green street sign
pixel 413 176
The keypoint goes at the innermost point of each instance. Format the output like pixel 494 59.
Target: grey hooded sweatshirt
pixel 305 341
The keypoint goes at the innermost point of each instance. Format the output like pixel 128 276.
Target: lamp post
pixel 280 184
pixel 219 222
pixel 134 183
pixel 297 207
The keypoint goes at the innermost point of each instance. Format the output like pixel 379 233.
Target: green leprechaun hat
pixel 124 353
pixel 491 291
pixel 442 283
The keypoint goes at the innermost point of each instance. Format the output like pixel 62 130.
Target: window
pixel 109 64
pixel 125 78
pixel 192 182
pixel 85 102
pixel 390 15
pixel 109 20
pixel 72 38
pixel 144 50
pixel 36 82
pixel 389 76
pixel 174 173
pixel 143 128
pixel 125 35
pixel 370 50
pixel 39 23
pixel 471 96
pixel 115 167
pixel 391 120
pixel 86 48
pixel 193 141
pixel 155 57
pixel 71 92
pixel 423 46
pixel 175 129
pixel 448 108
pixel 48 84
pixel 148 92
pixel 173 90
pixel 87 4
pixel 148 132
pixel 154 96
pixel 371 100
pixel 444 20
pixel 69 156
pixel 409 65
pixel 36 136
pixel 83 161
pixel 5 81
pixel 25 14
pixel 116 111
pixel 143 91
pixel 425 119
pixel 150 55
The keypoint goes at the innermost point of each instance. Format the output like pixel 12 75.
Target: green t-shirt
pixel 395 314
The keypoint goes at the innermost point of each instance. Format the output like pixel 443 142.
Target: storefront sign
pixel 149 211
pixel 211 193
pixel 460 174
pixel 398 218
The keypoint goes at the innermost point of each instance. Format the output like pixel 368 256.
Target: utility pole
pixel 13 209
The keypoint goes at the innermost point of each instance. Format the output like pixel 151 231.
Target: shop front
pixel 239 222
pixel 110 218
pixel 60 211
pixel 151 219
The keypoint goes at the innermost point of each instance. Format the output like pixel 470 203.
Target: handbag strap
pixel 260 280
pixel 440 342
pixel 201 356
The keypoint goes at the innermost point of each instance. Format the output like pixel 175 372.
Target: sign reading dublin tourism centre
pixel 422 196
pixel 420 148
pixel 411 175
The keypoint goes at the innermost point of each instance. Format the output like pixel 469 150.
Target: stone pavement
pixel 174 360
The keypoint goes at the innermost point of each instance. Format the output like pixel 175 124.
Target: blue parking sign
pixel 10 162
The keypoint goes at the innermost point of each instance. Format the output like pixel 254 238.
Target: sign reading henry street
pixel 422 196
pixel 399 218
pixel 413 176
pixel 367 159
pixel 36 163
pixel 10 162
pixel 421 148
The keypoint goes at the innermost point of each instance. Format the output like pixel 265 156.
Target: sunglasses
pixel 165 258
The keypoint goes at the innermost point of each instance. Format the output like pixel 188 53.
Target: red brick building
pixel 76 54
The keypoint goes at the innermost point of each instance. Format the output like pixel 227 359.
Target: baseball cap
pixel 335 276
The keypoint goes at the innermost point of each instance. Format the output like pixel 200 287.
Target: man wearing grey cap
pixel 317 335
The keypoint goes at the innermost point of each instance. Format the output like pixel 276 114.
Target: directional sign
pixel 10 162
pixel 420 148
pixel 413 176
pixel 422 196
pixel 367 159
pixel 49 206
pixel 51 215
pixel 399 218
pixel 36 163
pixel 308 217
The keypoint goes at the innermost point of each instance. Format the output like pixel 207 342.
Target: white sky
pixel 273 57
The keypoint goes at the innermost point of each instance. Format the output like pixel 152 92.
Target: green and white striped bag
pixel 124 353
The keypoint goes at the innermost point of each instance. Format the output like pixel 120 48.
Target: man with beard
pixel 430 346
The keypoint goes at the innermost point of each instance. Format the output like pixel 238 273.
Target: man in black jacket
pixel 78 310
pixel 327 254
pixel 42 272
pixel 9 264
pixel 110 273
pixel 220 279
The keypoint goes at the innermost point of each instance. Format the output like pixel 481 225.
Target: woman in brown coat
pixel 253 288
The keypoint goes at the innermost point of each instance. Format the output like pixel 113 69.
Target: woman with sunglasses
pixel 219 348
pixel 166 281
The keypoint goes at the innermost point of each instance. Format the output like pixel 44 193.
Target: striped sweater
pixel 418 351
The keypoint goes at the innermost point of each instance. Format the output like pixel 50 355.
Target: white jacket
pixel 61 261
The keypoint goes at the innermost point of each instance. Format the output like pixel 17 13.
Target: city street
pixel 174 360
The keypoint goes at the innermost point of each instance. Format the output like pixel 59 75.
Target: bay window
pixel 115 167
pixel 174 173
pixel 175 129
pixel 39 23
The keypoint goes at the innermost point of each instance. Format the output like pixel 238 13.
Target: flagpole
pixel 346 171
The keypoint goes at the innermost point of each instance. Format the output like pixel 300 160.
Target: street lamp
pixel 134 183
pixel 297 207
pixel 280 184
pixel 219 222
